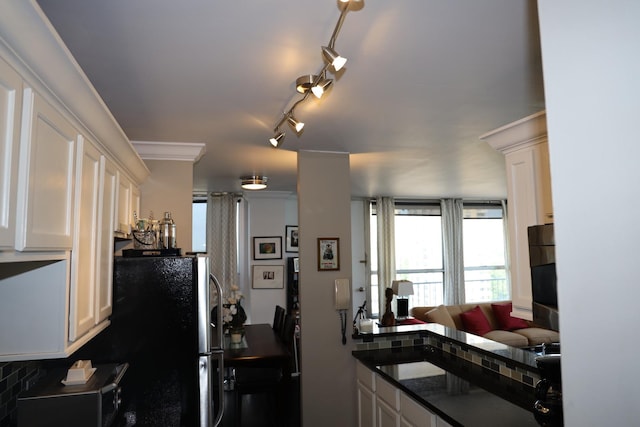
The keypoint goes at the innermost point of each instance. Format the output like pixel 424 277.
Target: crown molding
pixel 180 151
pixel 528 130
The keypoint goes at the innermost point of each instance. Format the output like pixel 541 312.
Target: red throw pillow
pixel 475 321
pixel 504 318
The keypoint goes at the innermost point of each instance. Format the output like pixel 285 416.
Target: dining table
pixel 261 347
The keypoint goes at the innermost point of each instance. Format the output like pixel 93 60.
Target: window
pixel 485 275
pixel 419 252
pixel 199 225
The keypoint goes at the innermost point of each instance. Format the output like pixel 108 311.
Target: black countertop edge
pixel 508 389
pixel 512 356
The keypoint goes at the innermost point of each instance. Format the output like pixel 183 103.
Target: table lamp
pixel 402 288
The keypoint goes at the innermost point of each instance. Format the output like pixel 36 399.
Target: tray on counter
pixel 151 252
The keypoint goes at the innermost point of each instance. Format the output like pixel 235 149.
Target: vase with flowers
pixel 233 315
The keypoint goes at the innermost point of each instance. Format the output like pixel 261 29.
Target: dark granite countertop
pixel 460 392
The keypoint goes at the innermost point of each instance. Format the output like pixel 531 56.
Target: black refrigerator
pixel 161 325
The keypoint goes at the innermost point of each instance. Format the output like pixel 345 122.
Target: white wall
pixel 328 368
pixel 170 188
pixel 268 213
pixel 590 52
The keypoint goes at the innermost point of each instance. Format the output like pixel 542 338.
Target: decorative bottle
pixel 168 232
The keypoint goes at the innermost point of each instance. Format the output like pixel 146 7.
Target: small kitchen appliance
pixel 62 399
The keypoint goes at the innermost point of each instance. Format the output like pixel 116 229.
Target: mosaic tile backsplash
pixel 500 366
pixel 14 378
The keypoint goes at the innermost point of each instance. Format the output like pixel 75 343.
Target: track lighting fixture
pixel 277 139
pixel 253 182
pixel 316 83
pixel 295 124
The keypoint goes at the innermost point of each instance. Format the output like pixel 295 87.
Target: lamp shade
pixel 402 287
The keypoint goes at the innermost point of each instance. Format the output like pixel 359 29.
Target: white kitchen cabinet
pixel 382 404
pixel 57 218
pixel 85 256
pixel 414 414
pixel 366 396
pixel 106 219
pixel 92 254
pixel 525 146
pixel 10 111
pixel 123 218
pixel 46 180
pixel 387 404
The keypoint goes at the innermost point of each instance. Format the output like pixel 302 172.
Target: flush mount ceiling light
pixel 254 182
pixel 317 83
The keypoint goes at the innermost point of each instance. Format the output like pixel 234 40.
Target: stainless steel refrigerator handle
pixel 220 357
pixel 219 328
pixel 219 354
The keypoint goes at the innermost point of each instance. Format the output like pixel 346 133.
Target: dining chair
pixel 278 319
pixel 264 380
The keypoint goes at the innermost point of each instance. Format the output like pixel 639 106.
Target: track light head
pixel 333 58
pixel 277 139
pixel 304 83
pixel 322 86
pixel 295 124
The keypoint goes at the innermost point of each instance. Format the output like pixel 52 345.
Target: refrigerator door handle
pixel 220 356
pixel 207 370
pixel 219 328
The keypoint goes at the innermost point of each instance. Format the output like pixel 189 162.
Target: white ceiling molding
pixel 181 151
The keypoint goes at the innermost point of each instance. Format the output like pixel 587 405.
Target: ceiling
pixel 424 79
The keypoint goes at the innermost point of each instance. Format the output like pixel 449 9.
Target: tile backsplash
pixel 14 378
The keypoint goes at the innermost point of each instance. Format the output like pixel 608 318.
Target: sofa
pixel 491 320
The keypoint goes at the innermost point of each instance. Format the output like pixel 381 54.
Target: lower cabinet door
pixel 366 406
pixel 386 416
pixel 414 414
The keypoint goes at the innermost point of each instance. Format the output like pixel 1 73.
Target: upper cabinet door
pixel 82 312
pixel 123 221
pixel 106 219
pixel 10 109
pixel 45 191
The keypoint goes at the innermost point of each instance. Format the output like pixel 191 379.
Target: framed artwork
pixel 328 253
pixel 267 247
pixel 291 231
pixel 267 277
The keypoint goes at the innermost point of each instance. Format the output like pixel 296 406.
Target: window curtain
pixel 452 215
pixel 507 257
pixel 222 245
pixel 385 212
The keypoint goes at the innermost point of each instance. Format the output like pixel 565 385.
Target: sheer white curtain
pixel 385 212
pixel 452 215
pixel 221 239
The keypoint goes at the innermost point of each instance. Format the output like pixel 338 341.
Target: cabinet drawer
pixel 387 393
pixel 416 414
pixel 366 376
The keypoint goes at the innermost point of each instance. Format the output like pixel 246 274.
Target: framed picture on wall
pixel 267 277
pixel 267 247
pixel 291 231
pixel 328 253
